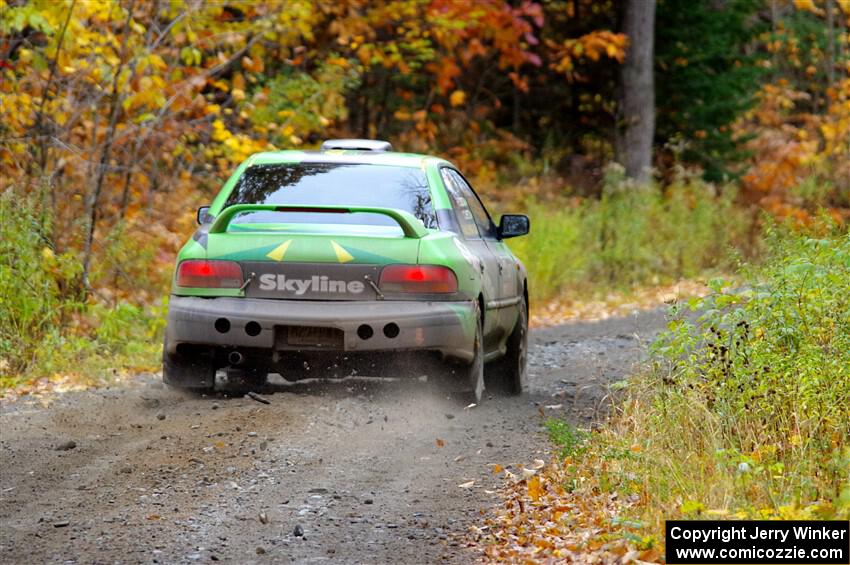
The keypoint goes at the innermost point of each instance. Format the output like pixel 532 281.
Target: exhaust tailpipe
pixel 235 358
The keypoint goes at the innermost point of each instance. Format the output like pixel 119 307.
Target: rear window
pixel 331 184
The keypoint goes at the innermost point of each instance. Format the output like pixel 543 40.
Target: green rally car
pixel 349 260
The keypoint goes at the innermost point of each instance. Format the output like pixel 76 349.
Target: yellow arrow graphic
pixel 278 252
pixel 342 255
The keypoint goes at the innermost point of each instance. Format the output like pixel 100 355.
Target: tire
pixel 295 367
pixel 508 374
pixel 195 373
pixel 246 380
pixel 468 379
pixel 475 372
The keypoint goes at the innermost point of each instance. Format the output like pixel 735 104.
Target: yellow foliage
pixel 458 98
pixel 808 5
pixel 220 133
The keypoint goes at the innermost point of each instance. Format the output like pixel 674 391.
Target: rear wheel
pixel 295 367
pixel 508 374
pixel 246 380
pixel 195 372
pixel 468 379
pixel 475 372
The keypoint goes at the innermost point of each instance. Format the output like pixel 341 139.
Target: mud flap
pixel 188 372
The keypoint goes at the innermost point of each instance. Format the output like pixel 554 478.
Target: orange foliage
pixel 789 146
pixel 799 131
pixel 572 52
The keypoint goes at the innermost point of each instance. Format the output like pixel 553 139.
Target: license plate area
pixel 309 337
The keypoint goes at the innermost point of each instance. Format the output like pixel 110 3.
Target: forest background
pixel 649 143
pixel 700 144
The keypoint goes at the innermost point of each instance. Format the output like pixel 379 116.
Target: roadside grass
pixel 743 411
pixel 568 438
pixel 46 330
pixel 757 390
pixel 632 237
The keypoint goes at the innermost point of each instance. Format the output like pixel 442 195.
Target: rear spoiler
pixel 409 224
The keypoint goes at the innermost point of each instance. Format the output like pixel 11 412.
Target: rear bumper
pixel 447 327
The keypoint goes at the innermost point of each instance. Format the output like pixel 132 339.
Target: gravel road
pixel 352 471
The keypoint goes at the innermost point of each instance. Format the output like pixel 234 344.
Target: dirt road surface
pixel 354 471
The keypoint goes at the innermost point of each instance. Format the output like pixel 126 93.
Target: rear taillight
pixel 201 273
pixel 424 279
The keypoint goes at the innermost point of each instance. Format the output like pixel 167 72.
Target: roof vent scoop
pixel 357 144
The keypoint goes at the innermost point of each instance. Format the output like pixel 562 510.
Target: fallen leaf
pixel 440 443
pixel 497 469
pixel 535 490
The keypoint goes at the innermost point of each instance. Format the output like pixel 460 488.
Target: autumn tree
pixel 798 128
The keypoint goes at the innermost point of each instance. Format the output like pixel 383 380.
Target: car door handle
pixel 501 268
pixel 481 266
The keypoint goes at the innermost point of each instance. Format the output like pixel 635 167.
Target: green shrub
pixel 30 275
pixel 747 407
pixel 44 327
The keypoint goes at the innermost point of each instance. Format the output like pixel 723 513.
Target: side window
pixel 463 213
pixel 485 225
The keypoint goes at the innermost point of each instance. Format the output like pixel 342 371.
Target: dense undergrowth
pixel 745 407
pixel 45 328
pixel 758 386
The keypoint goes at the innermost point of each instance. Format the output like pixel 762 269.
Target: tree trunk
pixel 636 110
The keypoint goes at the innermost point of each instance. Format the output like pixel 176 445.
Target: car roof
pixel 345 156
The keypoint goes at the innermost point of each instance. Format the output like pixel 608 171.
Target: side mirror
pixel 204 215
pixel 513 225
